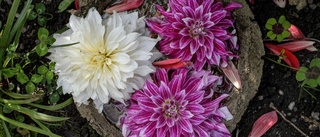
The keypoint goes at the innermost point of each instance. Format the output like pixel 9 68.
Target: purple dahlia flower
pixel 178 103
pixel 196 30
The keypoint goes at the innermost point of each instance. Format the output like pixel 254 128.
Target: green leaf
pixel 279 38
pixel 40 8
pixel 64 5
pixel 54 107
pixel 33 15
pixel 11 86
pixel 50 40
pixel 30 87
pixel 301 74
pixel 27 126
pixel 5 36
pixel 42 49
pixel 6 110
pixel 42 69
pixel 318 80
pixel 315 62
pixel 286 25
pixel 268 26
pixel 272 21
pixel 22 78
pixel 37 115
pixel 312 83
pixel 282 19
pixel 22 96
pixel 43 34
pixel 54 97
pixel 10 72
pixel 35 78
pixel 285 34
pixel 52 65
pixel 20 118
pixel 49 75
pixel 42 20
pixel 271 35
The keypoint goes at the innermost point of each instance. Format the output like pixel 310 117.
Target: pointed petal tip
pixel 124 6
pixel 263 124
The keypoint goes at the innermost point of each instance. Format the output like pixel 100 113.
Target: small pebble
pixel 280 92
pixel 310 1
pixel 313 127
pixel 288 74
pixel 310 34
pixel 315 115
pixel 293 119
pixel 260 97
pixel 272 66
pixel 318 4
pixel 291 105
pixel 295 109
pixel 313 6
pixel 289 114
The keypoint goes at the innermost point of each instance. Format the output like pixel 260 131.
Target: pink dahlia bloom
pixel 196 30
pixel 177 103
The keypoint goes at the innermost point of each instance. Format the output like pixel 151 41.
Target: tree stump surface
pixel 249 64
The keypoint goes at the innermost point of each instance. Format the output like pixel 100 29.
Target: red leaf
pixel 263 124
pixel 296 32
pixel 232 74
pixel 252 1
pixel 76 3
pixel 172 63
pixel 297 45
pixel 289 58
pixel 124 6
pixel 167 62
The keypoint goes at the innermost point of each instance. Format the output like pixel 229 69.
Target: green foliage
pixel 64 5
pixel 27 80
pixel 39 14
pixel 42 48
pixel 310 76
pixel 278 30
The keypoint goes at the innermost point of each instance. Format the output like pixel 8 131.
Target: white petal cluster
pixel 110 60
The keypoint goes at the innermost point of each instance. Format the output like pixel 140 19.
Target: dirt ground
pixel 278 85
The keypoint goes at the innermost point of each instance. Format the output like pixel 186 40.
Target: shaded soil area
pixel 279 85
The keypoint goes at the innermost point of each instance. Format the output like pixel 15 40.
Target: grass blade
pixel 21 96
pixel 45 128
pixel 35 114
pixel 55 107
pixel 18 25
pixel 12 13
pixel 6 130
pixel 26 126
pixel 25 101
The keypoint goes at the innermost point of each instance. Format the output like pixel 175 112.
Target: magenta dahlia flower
pixel 196 30
pixel 177 103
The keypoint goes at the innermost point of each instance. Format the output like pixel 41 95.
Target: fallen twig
pixel 285 119
pixel 311 121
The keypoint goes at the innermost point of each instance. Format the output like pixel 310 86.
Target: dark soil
pixel 278 85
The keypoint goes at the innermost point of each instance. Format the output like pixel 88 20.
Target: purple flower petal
pixel 185 125
pixel 232 6
pixel 195 109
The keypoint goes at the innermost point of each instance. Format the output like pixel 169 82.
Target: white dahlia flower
pixel 111 60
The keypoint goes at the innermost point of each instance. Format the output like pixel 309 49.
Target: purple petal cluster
pixel 176 103
pixel 196 30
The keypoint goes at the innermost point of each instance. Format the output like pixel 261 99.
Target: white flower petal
pixel 111 59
